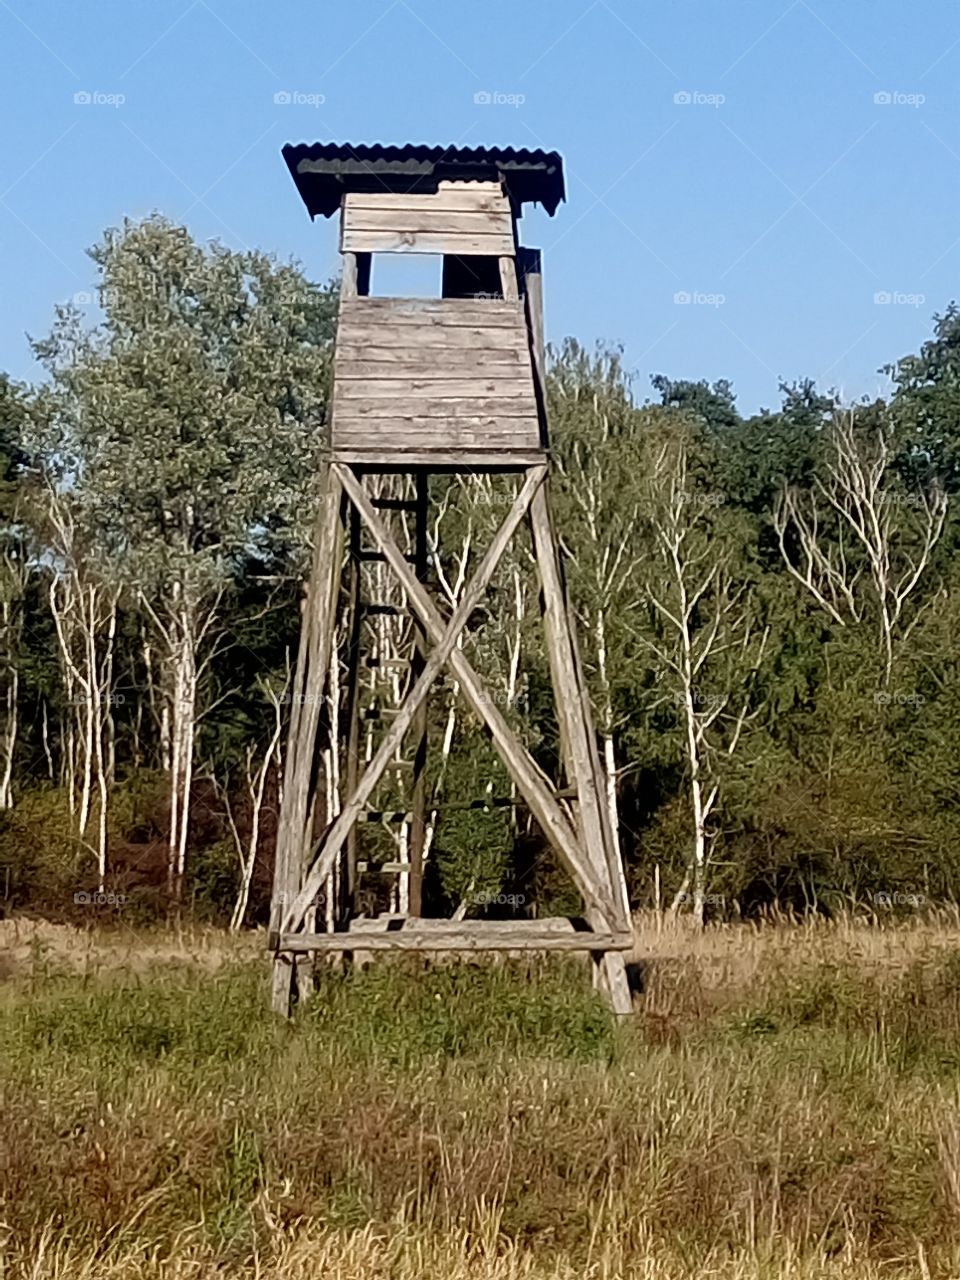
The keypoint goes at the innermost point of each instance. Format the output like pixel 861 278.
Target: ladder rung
pixel 385 663
pixel 394 504
pixel 388 610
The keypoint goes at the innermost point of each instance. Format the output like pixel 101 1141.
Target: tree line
pixel 767 614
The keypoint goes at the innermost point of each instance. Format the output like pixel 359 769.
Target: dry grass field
pixel 785 1103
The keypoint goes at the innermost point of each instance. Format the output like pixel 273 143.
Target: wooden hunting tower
pixel 452 384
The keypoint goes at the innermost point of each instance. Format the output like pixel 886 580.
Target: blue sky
pixel 790 168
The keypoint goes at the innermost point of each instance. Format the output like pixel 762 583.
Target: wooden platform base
pixel 459 935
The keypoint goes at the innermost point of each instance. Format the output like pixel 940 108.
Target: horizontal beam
pixel 487 938
pixel 447 459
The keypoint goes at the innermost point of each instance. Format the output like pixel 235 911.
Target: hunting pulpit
pixel 430 387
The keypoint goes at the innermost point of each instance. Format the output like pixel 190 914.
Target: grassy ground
pixel 786 1103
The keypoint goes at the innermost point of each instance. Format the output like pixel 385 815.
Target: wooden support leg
pixel 572 709
pixel 610 978
pixel 349 880
pixel 418 824
pixel 610 970
pixel 316 638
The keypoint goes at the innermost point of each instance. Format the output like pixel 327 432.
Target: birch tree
pixel 703 624
pixel 859 541
pixel 187 425
pixel 261 754
pixel 598 437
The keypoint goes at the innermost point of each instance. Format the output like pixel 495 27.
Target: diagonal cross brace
pixel 534 785
pixel 530 780
pixel 330 843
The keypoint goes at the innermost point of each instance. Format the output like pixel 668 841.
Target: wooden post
pixel 572 699
pixel 353 708
pixel 355 280
pixel 299 783
pixel 418 824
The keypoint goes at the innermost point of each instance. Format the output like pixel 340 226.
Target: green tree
pixel 187 428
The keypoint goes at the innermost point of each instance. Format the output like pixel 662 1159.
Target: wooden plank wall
pixel 446 373
pixel 460 218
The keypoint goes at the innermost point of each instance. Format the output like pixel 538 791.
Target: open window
pixel 406 275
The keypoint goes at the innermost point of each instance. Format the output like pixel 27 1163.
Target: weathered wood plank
pixel 465 938
pixel 373 434
pixel 448 924
pixel 486 315
pixel 400 446
pixel 387 334
pixel 434 306
pixel 393 444
pixel 508 278
pixel 460 459
pixel 423 406
pixel 456 361
pixel 375 371
pixel 434 386
pixel 437 433
pixel 490 244
pixel 435 430
pixel 491 313
pixel 453 222
pixel 454 197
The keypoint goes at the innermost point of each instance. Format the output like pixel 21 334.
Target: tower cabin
pixel 446 382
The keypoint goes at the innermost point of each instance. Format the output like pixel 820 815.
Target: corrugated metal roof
pixel 324 171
